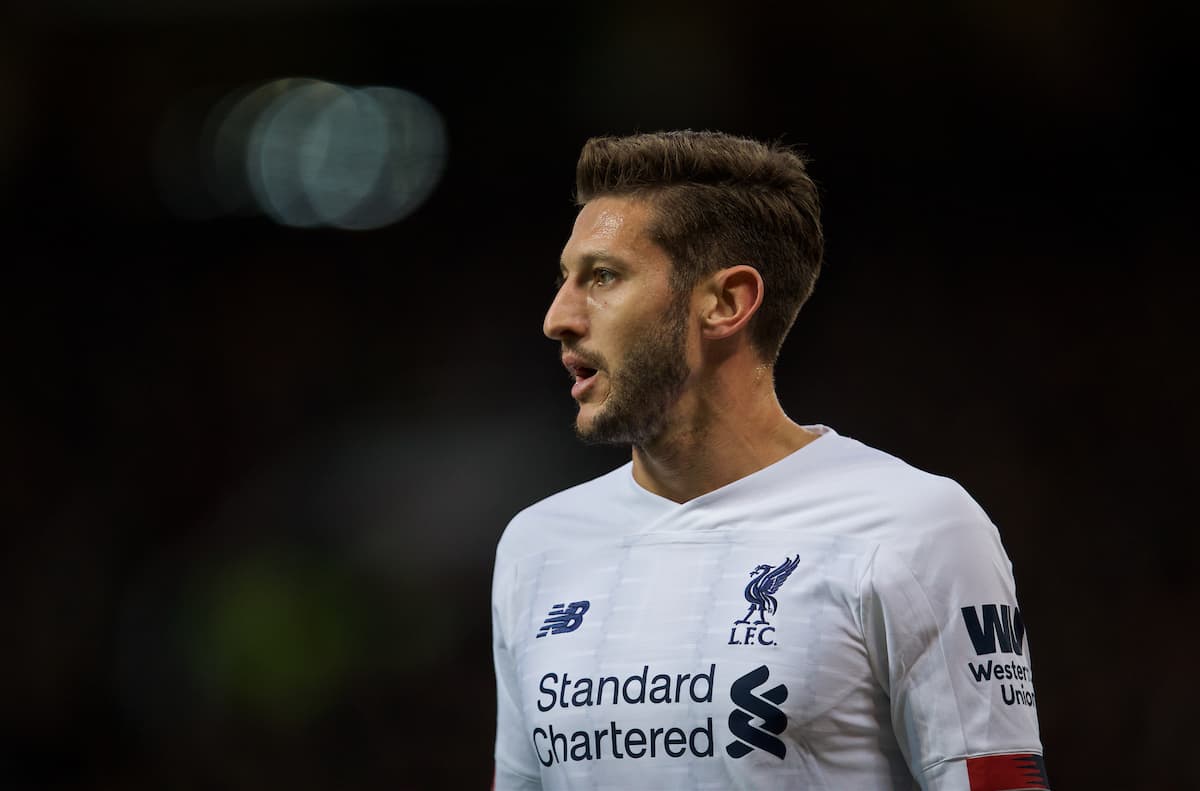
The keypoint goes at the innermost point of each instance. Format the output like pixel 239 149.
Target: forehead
pixel 613 227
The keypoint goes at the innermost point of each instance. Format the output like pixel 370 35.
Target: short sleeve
pixel 947 642
pixel 516 768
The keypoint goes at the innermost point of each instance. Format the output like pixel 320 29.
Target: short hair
pixel 718 201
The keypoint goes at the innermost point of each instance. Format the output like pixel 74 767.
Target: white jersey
pixel 838 620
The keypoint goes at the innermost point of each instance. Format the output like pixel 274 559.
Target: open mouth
pixel 583 377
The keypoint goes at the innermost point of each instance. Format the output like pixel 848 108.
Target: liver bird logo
pixel 764 584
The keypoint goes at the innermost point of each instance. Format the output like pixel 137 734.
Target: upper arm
pixel 947 642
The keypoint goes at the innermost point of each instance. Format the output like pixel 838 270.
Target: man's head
pixel 622 327
pixel 719 201
pixel 661 215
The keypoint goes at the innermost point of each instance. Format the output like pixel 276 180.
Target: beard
pixel 646 386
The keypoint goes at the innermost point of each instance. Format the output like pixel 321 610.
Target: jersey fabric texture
pixel 837 620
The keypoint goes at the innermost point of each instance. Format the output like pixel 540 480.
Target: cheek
pixel 602 305
pixel 620 322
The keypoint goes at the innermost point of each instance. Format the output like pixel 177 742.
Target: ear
pixel 732 296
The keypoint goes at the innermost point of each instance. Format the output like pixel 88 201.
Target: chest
pixel 679 631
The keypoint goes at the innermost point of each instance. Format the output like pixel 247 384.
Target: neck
pixel 719 432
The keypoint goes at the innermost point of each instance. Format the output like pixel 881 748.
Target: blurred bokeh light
pixel 304 152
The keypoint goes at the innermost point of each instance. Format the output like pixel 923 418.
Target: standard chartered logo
pixel 685 728
pixel 765 708
pixel 616 739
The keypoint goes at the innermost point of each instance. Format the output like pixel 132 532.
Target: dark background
pixel 253 476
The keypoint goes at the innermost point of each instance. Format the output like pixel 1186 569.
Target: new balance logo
pixel 765 707
pixel 1000 625
pixel 564 618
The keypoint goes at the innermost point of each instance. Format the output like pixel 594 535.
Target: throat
pixel 684 465
pixel 676 467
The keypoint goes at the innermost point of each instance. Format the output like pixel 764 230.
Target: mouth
pixel 583 376
pixel 581 372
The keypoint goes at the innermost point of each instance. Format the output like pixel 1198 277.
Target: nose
pixel 567 317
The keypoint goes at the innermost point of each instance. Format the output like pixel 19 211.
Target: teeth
pixel 579 372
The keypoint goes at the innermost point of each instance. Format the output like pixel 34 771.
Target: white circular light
pixel 284 137
pixel 415 160
pixel 227 134
pixel 342 154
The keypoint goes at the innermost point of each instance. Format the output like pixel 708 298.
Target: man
pixel 750 603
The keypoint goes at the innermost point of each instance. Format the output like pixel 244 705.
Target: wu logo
pixel 765 582
pixel 1001 624
pixel 765 707
pixel 564 618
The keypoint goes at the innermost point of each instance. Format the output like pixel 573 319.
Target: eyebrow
pixel 595 257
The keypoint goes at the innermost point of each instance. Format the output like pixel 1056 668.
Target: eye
pixel 602 277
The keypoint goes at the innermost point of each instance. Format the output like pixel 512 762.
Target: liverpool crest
pixel 765 582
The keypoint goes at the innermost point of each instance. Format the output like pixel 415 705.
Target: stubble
pixel 646 386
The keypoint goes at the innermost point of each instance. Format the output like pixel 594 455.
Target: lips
pixel 581 372
pixel 582 384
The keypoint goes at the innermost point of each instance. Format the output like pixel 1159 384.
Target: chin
pixel 585 421
pixel 586 424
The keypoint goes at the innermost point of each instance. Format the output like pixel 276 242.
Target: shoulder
pixel 584 508
pixel 894 482
pixel 918 513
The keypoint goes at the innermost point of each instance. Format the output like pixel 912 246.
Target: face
pixel 622 328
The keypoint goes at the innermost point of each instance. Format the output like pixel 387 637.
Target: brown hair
pixel 720 200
